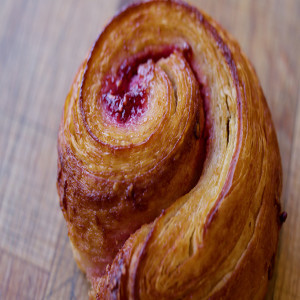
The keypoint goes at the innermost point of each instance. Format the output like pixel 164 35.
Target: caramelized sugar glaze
pixel 169 173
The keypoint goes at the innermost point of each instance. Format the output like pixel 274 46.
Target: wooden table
pixel 42 43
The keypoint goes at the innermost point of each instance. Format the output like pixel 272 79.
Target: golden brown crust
pixel 192 154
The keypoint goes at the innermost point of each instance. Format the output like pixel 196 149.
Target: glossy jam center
pixel 124 95
pixel 126 99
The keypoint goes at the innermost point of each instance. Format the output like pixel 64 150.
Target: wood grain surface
pixel 42 43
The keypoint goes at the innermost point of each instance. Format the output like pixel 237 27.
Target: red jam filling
pixel 125 94
pixel 126 99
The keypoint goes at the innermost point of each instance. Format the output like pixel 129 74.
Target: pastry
pixel 169 173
